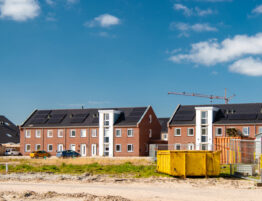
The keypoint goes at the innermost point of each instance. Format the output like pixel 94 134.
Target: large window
pixel 27 133
pixel 60 133
pixel 219 131
pixel 118 132
pixel 204 117
pixel 246 131
pixel 177 132
pixel 93 132
pixel 49 133
pixel 130 132
pixel 106 119
pixel 165 136
pixel 130 148
pixel 260 130
pixel 118 147
pixel 177 146
pixel 49 147
pixel 72 133
pixel 27 147
pixel 190 132
pixel 37 147
pixel 204 134
pixel 83 133
pixel 38 133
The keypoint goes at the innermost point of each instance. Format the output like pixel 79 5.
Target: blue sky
pixel 117 53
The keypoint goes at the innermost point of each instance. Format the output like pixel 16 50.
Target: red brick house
pixel 91 132
pixel 196 126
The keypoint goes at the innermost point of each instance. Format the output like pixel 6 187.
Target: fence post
pixel 6 168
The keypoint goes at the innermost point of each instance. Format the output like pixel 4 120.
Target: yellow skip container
pixel 189 163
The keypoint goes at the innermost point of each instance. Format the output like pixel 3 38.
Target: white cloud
pixel 247 66
pixel 183 8
pixel 257 10
pixel 19 10
pixel 186 28
pixel 50 2
pixel 105 20
pixel 193 11
pixel 72 1
pixel 212 52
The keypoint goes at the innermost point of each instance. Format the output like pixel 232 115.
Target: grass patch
pixel 126 169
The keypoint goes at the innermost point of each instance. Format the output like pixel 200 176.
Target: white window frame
pixel 106 119
pixel 71 131
pixel 120 131
pixel 132 132
pixel 150 133
pixel 81 133
pixel 163 136
pixel 93 132
pixel 119 146
pixel 175 131
pixel 27 133
pixel 36 147
pixel 71 147
pixel 38 133
pixel 132 150
pixel 150 118
pixel 248 131
pixel 205 118
pixel 28 150
pixel 188 131
pixel 93 150
pixel 219 135
pixel 192 145
pixel 259 128
pixel 60 145
pixel 177 144
pixel 59 131
pixel 49 147
pixel 50 132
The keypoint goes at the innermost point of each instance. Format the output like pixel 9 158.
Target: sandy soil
pixel 46 187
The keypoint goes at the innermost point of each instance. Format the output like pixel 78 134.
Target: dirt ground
pixel 47 187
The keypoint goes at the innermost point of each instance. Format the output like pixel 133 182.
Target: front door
pixel 60 147
pixel 83 149
pixel 93 147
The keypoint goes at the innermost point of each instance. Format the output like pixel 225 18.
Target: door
pixel 83 149
pixel 60 147
pixel 93 147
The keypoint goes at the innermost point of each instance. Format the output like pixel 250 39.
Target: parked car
pixel 39 154
pixel 12 152
pixel 67 154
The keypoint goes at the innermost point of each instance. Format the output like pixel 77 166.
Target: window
pixel 60 133
pixel 37 147
pixel 106 135
pixel 49 133
pixel 130 132
pixel 106 119
pixel 204 147
pixel 130 148
pixel 177 132
pixel 118 147
pixel 204 117
pixel 83 133
pixel 190 132
pixel 219 131
pixel 72 133
pixel 118 132
pixel 204 134
pixel 150 133
pixel 38 133
pixel 150 118
pixel 60 147
pixel 260 130
pixel 49 147
pixel 27 133
pixel 190 146
pixel 246 131
pixel 93 132
pixel 177 146
pixel 165 136
pixel 27 147
pixel 72 147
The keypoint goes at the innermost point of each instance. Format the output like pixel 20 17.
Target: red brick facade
pixel 140 139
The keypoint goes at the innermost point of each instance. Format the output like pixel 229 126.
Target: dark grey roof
pixel 227 113
pixel 163 123
pixel 9 132
pixel 82 117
